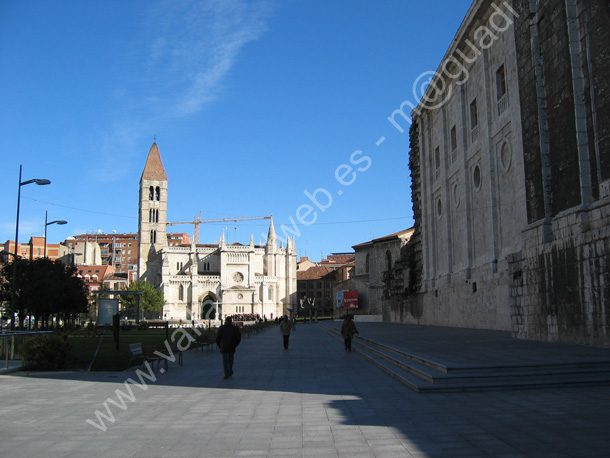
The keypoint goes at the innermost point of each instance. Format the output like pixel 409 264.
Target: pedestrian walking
pixel 285 328
pixel 348 329
pixel 228 338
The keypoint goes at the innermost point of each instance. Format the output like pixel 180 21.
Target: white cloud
pixel 196 45
pixel 189 47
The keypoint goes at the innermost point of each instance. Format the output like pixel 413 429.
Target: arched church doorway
pixel 208 307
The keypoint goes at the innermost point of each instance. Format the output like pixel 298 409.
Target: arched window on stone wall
pixel 151 193
pixel 157 193
pixel 366 264
pixel 181 293
pixel 388 260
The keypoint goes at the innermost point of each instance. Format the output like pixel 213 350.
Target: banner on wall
pixel 347 299
pixel 350 299
pixel 340 298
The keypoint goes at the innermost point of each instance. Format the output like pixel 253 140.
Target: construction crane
pixel 198 221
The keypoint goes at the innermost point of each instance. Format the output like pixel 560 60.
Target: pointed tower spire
pixel 271 239
pixel 154 170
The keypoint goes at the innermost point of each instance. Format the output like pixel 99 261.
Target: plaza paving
pixel 311 400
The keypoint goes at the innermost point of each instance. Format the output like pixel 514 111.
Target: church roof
pixel 154 170
pixel 315 273
pixel 406 235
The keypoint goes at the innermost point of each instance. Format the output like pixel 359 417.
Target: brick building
pixel 34 249
pixel 118 250
pixel 315 289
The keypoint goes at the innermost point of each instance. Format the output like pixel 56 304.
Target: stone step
pixel 422 374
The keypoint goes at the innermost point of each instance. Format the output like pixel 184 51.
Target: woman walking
pixel 348 329
pixel 285 328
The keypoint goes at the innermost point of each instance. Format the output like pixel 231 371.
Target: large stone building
pixel 375 266
pixel 510 170
pixel 203 281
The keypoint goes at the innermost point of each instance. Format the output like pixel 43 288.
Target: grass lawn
pixel 107 357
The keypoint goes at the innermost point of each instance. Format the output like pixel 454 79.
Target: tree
pixel 151 301
pixel 44 289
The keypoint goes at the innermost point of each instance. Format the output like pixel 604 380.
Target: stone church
pixel 204 282
pixel 510 168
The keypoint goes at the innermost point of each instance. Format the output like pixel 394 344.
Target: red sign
pixel 350 299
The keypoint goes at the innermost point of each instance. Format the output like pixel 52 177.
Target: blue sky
pixel 254 105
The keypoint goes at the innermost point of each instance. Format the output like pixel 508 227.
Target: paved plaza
pixel 312 400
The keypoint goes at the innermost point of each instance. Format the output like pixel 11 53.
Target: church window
pixel 153 236
pixel 455 194
pixel 453 138
pixel 157 193
pixel 474 114
pixel 366 264
pixel 500 82
pixel 388 260
pixel 151 193
pixel 180 293
pixel 505 156
pixel 501 90
pixel 270 293
pixel 474 121
pixel 476 177
pixel 439 208
pixel 437 163
pixel 453 144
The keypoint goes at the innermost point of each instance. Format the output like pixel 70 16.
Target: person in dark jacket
pixel 348 329
pixel 285 328
pixel 228 338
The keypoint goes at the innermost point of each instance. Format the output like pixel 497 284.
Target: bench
pixel 146 354
pixel 204 342
pixel 172 353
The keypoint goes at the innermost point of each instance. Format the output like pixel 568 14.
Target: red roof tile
pixel 154 170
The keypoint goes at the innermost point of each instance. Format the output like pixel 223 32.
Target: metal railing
pixel 10 341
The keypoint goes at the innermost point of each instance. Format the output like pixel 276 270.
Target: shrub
pixel 48 352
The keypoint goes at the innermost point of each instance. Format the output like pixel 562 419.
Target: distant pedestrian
pixel 348 329
pixel 228 338
pixel 285 328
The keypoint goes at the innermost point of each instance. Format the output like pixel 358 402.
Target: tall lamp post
pixel 39 182
pixel 60 222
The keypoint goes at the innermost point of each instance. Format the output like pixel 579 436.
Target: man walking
pixel 228 338
pixel 285 328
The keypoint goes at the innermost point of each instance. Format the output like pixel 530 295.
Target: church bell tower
pixel 152 217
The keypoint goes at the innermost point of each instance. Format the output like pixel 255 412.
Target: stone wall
pixel 529 250
pixel 559 287
pixel 561 290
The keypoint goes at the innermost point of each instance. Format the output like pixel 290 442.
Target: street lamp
pixel 39 182
pixel 60 222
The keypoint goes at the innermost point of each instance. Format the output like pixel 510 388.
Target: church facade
pixel 204 282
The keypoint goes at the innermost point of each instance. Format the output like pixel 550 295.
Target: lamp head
pixel 61 221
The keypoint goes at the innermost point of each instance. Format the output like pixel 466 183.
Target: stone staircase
pixel 424 375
